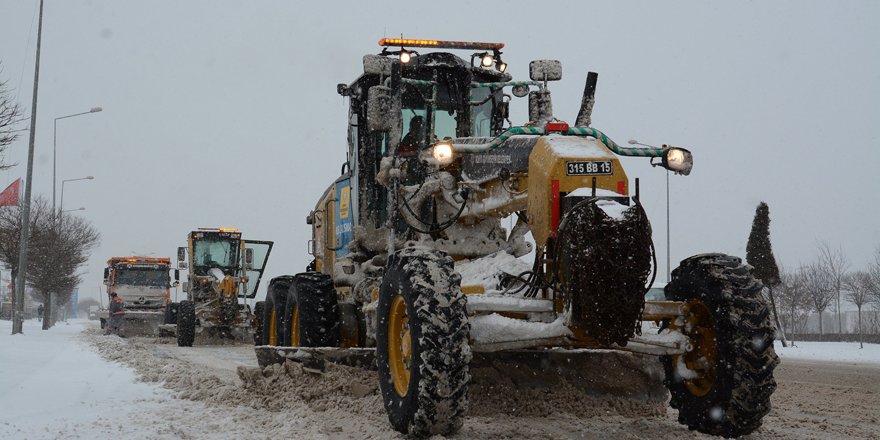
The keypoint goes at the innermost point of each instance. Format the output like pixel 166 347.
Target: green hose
pixel 573 131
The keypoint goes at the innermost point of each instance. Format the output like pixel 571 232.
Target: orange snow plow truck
pixel 144 284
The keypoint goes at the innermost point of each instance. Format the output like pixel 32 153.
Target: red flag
pixel 9 196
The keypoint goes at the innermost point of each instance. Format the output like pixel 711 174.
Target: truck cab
pixel 144 285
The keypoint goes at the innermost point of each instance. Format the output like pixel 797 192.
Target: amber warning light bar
pixel 468 45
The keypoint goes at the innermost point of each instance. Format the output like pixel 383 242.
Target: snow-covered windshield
pixel 142 277
pixel 215 252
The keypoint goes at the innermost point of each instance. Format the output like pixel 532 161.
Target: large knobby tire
pixel 273 312
pixel 171 310
pixel 186 324
pixel 723 386
pixel 352 331
pixel 311 314
pixel 259 306
pixel 422 349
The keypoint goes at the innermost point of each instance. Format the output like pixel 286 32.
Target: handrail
pixel 573 131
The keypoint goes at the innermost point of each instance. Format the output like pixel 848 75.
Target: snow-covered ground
pixel 53 385
pixel 50 381
pixel 59 384
pixel 841 352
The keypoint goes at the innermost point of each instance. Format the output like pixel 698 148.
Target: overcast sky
pixel 222 113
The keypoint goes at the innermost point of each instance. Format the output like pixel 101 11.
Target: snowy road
pixel 66 383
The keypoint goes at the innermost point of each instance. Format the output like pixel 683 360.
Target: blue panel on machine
pixel 343 217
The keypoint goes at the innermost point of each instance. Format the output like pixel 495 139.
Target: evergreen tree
pixel 759 254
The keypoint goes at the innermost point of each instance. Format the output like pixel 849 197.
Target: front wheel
pixel 722 386
pixel 186 323
pixel 422 349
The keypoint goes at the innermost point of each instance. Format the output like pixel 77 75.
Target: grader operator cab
pixel 223 269
pixel 410 255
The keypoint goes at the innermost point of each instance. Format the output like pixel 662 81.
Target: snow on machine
pixel 224 272
pixel 412 263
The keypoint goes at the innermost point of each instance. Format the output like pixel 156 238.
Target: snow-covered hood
pixel 142 296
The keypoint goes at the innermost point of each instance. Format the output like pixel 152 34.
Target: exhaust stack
pixel 584 116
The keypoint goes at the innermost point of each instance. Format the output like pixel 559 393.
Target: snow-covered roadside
pixel 843 352
pixel 54 386
pixel 50 381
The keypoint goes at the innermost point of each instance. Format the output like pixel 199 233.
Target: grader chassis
pixel 411 213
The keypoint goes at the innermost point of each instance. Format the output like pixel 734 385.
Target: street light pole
pixel 18 313
pixel 61 206
pixel 55 148
pixel 668 258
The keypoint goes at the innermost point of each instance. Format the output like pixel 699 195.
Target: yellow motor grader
pixel 224 271
pixel 411 255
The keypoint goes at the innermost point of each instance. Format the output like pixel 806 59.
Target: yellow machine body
pixel 559 165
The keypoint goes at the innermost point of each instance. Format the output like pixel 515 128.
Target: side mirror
pixel 248 258
pixel 545 70
pixel 106 275
pixel 181 253
pixel 380 109
pixel 176 274
pixel 377 65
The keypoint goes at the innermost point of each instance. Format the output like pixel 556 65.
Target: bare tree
pixel 874 273
pixel 10 231
pixel 858 287
pixel 833 264
pixel 820 290
pixel 60 249
pixel 793 300
pixel 10 115
pixel 60 246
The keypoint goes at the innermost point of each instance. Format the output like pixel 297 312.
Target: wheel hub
pixel 702 360
pixel 294 328
pixel 273 327
pixel 399 345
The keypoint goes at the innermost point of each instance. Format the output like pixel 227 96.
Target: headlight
pixel 678 160
pixel 442 153
pixel 405 56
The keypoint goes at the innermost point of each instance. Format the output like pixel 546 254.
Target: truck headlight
pixel 677 159
pixel 442 153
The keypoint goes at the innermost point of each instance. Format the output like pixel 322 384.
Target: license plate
pixel 589 168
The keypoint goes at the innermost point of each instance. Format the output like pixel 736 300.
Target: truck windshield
pixel 216 252
pixel 415 115
pixel 142 277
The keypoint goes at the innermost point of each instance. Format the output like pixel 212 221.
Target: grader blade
pixel 593 372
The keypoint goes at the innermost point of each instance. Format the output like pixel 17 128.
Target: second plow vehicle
pixel 411 256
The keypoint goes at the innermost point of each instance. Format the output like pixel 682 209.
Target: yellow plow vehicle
pixel 412 261
pixel 224 272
